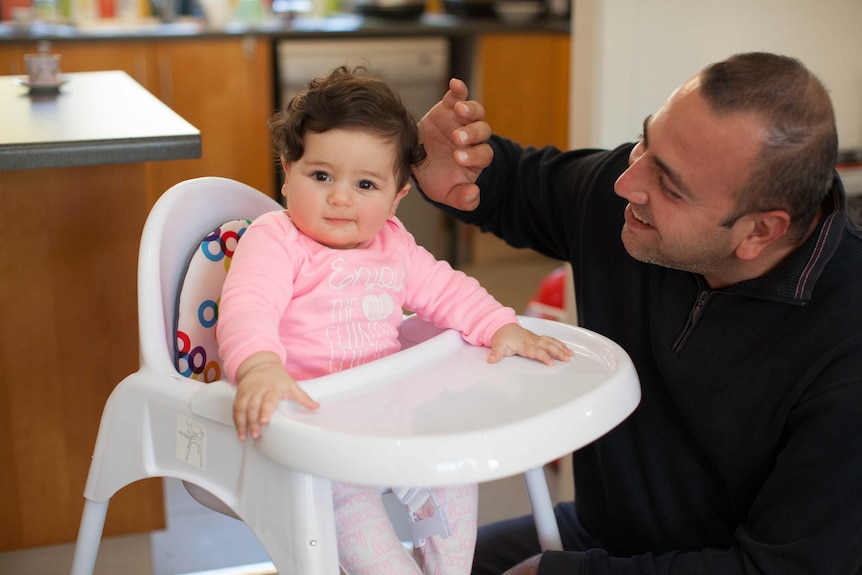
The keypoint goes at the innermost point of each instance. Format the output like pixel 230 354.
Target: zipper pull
pixel 692 319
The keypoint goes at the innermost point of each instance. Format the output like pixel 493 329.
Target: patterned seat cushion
pixel 196 348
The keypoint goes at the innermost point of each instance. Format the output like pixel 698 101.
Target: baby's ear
pixel 285 165
pixel 400 194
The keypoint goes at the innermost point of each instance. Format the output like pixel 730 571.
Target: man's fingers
pixel 471 134
pixel 457 92
pixel 476 157
pixel 465 197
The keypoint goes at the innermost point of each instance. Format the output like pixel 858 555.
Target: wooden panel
pixel 524 86
pixel 68 335
pixel 223 87
pixel 559 91
pixel 11 59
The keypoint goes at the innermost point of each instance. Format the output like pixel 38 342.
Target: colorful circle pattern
pixel 196 346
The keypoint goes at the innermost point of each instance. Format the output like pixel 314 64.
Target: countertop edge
pixel 73 154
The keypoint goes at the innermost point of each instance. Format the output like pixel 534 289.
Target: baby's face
pixel 343 189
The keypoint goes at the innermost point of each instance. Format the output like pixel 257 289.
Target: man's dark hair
pixel 797 161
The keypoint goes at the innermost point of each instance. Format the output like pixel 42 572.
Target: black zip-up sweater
pixel 745 453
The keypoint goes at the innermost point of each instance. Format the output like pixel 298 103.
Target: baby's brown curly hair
pixel 349 98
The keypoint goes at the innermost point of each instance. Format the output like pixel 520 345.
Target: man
pixel 717 251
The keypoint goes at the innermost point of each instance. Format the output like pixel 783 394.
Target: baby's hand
pixel 512 339
pixel 262 383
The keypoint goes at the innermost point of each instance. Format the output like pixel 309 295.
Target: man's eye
pixel 667 191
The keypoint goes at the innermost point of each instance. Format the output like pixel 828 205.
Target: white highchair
pixel 434 414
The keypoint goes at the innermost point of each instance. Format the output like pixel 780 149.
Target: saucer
pixel 42 88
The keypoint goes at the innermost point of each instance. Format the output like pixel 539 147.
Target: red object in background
pixel 106 8
pixel 9 4
pixel 549 301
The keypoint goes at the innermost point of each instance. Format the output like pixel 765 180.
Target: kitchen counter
pixel 95 118
pixel 73 201
pixel 299 27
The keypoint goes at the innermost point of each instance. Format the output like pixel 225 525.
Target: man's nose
pixel 631 185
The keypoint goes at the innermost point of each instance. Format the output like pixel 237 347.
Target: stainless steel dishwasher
pixel 418 68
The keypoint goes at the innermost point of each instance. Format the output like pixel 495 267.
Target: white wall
pixel 629 55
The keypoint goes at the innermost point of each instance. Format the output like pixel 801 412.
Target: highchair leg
pixel 89 537
pixel 291 513
pixel 543 510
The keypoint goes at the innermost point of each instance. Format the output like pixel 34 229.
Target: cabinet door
pixel 524 81
pixel 223 87
pixel 11 59
pixel 68 335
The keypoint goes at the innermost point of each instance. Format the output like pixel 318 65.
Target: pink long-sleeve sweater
pixel 322 310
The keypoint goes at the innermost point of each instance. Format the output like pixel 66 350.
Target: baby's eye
pixel 366 185
pixel 320 176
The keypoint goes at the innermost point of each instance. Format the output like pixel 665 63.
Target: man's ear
pixel 398 196
pixel 764 229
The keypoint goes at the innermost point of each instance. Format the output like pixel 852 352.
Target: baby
pixel 321 287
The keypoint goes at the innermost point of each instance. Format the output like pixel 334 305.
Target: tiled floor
pixel 198 539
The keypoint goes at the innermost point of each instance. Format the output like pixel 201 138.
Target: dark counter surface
pixel 95 118
pixel 300 27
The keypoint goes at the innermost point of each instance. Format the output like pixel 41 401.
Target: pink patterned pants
pixel 368 545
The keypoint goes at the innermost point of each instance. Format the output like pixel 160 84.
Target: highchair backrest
pixel 178 222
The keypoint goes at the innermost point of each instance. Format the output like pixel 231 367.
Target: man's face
pixel 682 181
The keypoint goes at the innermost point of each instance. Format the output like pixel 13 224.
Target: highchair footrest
pixel 437 524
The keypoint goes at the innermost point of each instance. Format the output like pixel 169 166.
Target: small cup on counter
pixel 42 69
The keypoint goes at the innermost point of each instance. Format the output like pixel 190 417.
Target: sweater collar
pixel 792 281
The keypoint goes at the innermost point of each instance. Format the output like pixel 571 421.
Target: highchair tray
pixel 437 409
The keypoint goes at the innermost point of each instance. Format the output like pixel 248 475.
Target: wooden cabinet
pixel 223 87
pixel 70 231
pixel 524 86
pixel 68 335
pixel 523 82
pixel 11 59
pixel 48 443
